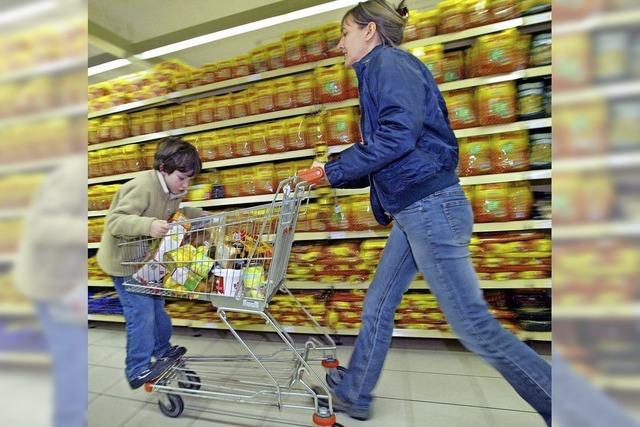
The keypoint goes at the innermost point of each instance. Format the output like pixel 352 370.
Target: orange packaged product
pixel 305 90
pixel 259 60
pixel 340 125
pixel 247 186
pixel 461 108
pixel 503 10
pixel 191 113
pixel 427 25
pixel 479 13
pixel 148 154
pixel 510 152
pixel 241 66
pixel 523 50
pixel 276 137
pixel 361 215
pixel 275 56
pixel 182 80
pixel 133 158
pixel 93 131
pixel 475 156
pixel 491 202
pixel 520 201
pixel 453 16
pixel 296 130
pixel 259 139
pixel 453 66
pixel 431 56
pixel 352 83
pixel 411 29
pixel 239 106
pixel 497 53
pixel 106 161
pixel 150 121
pixel 266 97
pixel 285 92
pixel 284 170
pixel 104 131
pixel 178 117
pixel 94 164
pixel 196 78
pixel 93 194
pixel 135 123
pixel 264 178
pixel 295 51
pixel 231 180
pixel 208 74
pixel 166 119
pixel 119 126
pixel 496 103
pixel 117 160
pixel 332 83
pixel 222 108
pixel 223 71
pixel 253 102
pixel 242 142
pixel 224 144
pixel 315 43
pixel 334 34
pixel 316 130
pixel 206 145
pixel 205 114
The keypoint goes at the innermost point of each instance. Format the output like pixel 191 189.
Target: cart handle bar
pixel 312 176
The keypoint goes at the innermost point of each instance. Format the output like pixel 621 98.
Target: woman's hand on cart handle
pixel 159 228
pixel 313 175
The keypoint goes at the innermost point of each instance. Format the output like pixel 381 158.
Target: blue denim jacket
pixel 408 150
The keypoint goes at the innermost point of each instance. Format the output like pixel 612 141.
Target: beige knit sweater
pixel 134 207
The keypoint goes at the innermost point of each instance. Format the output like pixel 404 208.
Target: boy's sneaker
pixel 150 374
pixel 340 406
pixel 174 352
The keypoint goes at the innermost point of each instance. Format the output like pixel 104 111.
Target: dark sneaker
pixel 340 406
pixel 174 352
pixel 150 374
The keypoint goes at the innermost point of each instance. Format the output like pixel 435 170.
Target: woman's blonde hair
pixel 389 22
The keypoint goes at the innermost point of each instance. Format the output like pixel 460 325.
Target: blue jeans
pixel 431 236
pixel 148 328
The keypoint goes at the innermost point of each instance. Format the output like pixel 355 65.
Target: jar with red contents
pixel 334 34
pixel 266 97
pixel 148 154
pixel 104 131
pixel 284 93
pixel 316 130
pixel 253 101
pixel 453 16
pixel 223 71
pixel 224 144
pixel 242 142
pixel 205 105
pixel 276 137
pixel 166 119
pixel 275 56
pixel 259 59
pixel 150 121
pixel 178 117
pixel 206 145
pixel 241 66
pixel 191 113
pixel 305 90
pixel 332 83
pixel 208 75
pixel 239 104
pixel 296 130
pixel 135 123
pixel 259 139
pixel 295 51
pixel 315 42
pixel 222 108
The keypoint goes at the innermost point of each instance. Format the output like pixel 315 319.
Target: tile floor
pixel 433 383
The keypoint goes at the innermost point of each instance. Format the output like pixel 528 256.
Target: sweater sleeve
pixel 125 215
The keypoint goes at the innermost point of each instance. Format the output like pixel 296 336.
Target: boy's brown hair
pixel 174 153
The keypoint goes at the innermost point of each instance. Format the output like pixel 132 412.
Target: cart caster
pixel 148 387
pixel 175 407
pixel 190 378
pixel 325 420
pixel 334 376
pixel 330 363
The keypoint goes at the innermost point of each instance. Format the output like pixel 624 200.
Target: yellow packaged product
pixel 295 51
pixel 275 56
pixel 497 53
pixel 166 119
pixel 266 97
pixel 427 23
pixel 491 202
pixel 224 144
pixel 135 123
pixel 191 109
pixel 496 103
pixel 332 83
pixel 296 133
pixel 239 107
pixel 431 56
pixel 334 34
pixel 478 13
pixel 222 108
pixel 259 61
pixel 315 42
pixel 180 257
pixel 305 92
pixel 223 70
pixel 461 109
pixel 242 142
pixel 510 152
pixel 151 121
pixel 453 16
pixel 474 156
pixel 263 177
pixel 259 139
pixel 284 93
pixel 133 158
pixel 276 137
pixel 241 66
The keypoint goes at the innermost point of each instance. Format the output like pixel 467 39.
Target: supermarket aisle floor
pixel 425 383
pixel 27 394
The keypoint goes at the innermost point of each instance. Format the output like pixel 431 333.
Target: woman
pixel 408 157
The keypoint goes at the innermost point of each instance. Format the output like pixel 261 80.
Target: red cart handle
pixel 312 176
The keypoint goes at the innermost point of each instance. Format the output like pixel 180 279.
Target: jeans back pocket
pixel 459 216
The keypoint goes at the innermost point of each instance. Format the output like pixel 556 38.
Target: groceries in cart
pixel 201 256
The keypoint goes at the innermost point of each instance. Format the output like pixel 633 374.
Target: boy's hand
pixel 159 228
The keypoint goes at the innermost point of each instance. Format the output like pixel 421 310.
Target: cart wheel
pixel 191 377
pixel 331 379
pixel 175 408
pixel 324 421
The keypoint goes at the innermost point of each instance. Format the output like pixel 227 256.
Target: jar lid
pixel 529 86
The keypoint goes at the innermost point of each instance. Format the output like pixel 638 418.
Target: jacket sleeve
pixel 401 92
pixel 125 215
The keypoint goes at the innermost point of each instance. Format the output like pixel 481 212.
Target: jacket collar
pixel 360 65
pixel 165 189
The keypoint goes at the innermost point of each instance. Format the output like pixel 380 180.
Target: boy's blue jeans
pixel 148 328
pixel 431 236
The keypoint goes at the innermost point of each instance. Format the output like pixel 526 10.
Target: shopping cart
pixel 237 260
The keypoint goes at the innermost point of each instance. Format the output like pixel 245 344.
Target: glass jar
pixel 340 126
pixel 241 66
pixel 223 71
pixel 224 144
pixel 315 42
pixel 284 93
pixel 305 90
pixel 259 139
pixel 239 104
pixel 276 137
pixel 266 97
pixel 275 56
pixel 296 130
pixel 295 51
pixel 166 119
pixel 151 121
pixel 531 100
pixel 242 142
pixel 332 82
pixel 133 158
pixel 222 108
pixel 259 59
pixel 540 150
pixel 191 113
pixel 540 50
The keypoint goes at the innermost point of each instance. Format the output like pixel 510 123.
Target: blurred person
pixel 51 270
pixel 141 207
pixel 408 157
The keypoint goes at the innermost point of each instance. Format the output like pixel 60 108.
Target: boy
pixel 142 207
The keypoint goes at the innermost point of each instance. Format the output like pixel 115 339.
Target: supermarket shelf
pixel 7 258
pixel 20 309
pixel 535 224
pixel 592 231
pixel 479 31
pixel 405 333
pixel 506 177
pixel 226 123
pixel 94 245
pixel 611 91
pixel 25 358
pixel 151 102
pixel 619 383
pixel 605 161
pixel 338 235
pixel 101 283
pixel 36 165
pixel 611 19
pixel 420 285
pixel 44 69
pixel 624 311
pixel 511 127
pixel 479 81
pixel 97 213
pixel 51 113
pixel 12 213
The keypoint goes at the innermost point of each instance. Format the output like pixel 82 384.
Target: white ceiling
pixel 140 20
